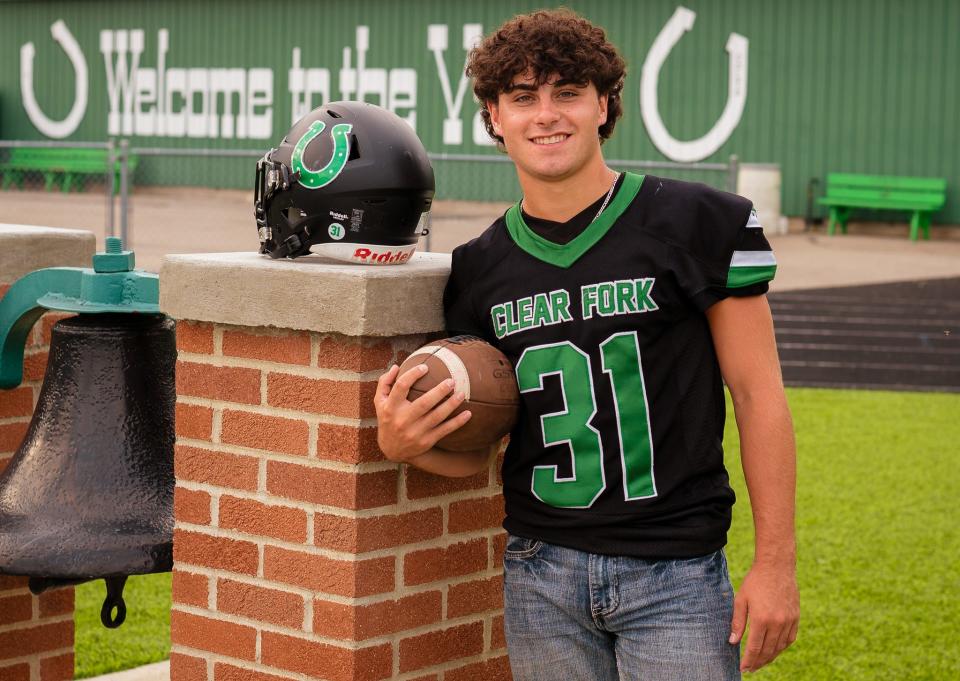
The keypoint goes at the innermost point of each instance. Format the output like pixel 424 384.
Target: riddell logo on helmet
pixel 369 256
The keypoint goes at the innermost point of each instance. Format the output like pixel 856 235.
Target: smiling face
pixel 550 130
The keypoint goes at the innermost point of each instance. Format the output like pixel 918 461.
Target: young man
pixel 621 300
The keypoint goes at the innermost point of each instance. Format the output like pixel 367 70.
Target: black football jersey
pixel 617 449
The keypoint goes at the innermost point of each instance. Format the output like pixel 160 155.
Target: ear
pixel 494 116
pixel 603 110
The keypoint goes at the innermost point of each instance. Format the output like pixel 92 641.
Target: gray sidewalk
pixel 159 671
pixel 192 220
pixel 807 261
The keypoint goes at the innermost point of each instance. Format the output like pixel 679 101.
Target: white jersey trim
pixel 753 259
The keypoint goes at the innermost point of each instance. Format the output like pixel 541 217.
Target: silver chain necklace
pixel 603 206
pixel 606 199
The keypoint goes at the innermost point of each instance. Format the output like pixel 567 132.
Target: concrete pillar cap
pixel 310 293
pixel 25 248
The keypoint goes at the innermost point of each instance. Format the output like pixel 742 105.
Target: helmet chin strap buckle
pixel 291 244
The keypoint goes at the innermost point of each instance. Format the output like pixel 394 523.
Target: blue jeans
pixel 575 616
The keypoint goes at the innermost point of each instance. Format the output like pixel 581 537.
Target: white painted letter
pixel 231 84
pixel 198 89
pixel 175 122
pixel 120 78
pixel 260 87
pixel 437 43
pixel 145 115
pixel 403 94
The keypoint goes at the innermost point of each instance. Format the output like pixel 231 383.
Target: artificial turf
pixel 878 551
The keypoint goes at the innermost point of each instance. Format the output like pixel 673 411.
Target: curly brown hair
pixel 547 43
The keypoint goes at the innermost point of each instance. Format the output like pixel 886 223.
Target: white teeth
pixel 549 140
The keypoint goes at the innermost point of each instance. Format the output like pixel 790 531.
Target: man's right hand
pixel 407 430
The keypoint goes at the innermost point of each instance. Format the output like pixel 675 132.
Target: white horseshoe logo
pixel 51 128
pixel 699 149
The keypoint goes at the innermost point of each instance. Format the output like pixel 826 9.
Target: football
pixel 486 378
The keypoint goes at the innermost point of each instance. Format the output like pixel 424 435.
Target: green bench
pixel 63 165
pixel 919 195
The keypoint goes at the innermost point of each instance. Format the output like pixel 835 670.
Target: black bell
pixel 89 493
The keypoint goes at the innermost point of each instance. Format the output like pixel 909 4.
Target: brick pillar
pixel 299 551
pixel 36 632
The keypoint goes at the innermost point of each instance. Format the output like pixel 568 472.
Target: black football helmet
pixel 351 181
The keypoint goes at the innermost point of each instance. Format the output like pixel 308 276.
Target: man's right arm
pixel 407 431
pixel 454 464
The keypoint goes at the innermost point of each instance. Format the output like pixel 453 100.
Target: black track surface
pixel 899 336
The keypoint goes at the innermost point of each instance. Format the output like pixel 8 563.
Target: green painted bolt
pixel 114 258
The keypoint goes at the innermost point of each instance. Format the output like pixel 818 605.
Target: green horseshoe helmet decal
pixel 314 179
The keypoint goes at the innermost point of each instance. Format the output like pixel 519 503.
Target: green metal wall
pixel 833 85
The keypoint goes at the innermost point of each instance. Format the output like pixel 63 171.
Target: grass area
pixel 877 532
pixel 142 639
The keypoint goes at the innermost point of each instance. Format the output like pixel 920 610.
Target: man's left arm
pixel 742 330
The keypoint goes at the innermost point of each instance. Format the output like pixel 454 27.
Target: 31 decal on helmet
pixel 350 181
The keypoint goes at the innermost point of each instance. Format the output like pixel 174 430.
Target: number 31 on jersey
pixel 620 358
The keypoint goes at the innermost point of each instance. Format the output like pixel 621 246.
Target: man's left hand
pixel 770 600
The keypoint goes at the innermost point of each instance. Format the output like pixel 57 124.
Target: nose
pixel 547 112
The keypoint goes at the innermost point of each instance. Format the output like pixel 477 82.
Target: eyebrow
pixel 531 87
pixel 527 87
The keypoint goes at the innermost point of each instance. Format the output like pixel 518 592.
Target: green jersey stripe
pixel 739 277
pixel 564 255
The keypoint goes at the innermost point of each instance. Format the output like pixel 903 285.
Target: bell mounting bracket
pixel 110 286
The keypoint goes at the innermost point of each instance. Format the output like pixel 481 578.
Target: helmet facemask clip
pixel 272 177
